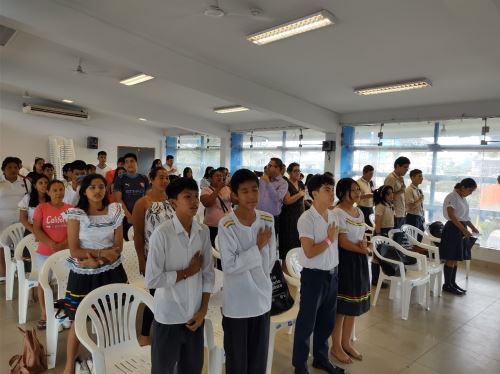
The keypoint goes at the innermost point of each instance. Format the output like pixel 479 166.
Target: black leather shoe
pixel 328 367
pixel 459 288
pixel 302 370
pixel 450 289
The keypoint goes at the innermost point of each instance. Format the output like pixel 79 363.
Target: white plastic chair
pixel 8 240
pixel 214 333
pixel 25 281
pixel 407 278
pixel 112 310
pixel 433 262
pixel 54 271
pixel 130 263
pixel 130 234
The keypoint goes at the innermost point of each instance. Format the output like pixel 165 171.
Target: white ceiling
pixel 203 62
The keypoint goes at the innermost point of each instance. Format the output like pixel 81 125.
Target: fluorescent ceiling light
pixel 136 79
pixel 230 109
pixel 142 119
pixel 393 87
pixel 68 101
pixel 292 28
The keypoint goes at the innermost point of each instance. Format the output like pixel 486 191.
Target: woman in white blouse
pixel 456 241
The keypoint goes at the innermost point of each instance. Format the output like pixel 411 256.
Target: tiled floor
pixel 458 335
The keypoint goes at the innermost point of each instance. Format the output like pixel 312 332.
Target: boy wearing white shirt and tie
pixel 180 268
pixel 319 258
pixel 248 251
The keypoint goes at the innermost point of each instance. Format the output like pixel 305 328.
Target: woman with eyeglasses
pixel 293 207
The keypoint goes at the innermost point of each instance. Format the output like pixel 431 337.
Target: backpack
pixel 33 360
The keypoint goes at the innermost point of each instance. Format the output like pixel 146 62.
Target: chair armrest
pixel 399 263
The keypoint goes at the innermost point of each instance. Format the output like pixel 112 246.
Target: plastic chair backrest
pixel 130 234
pixel 371 217
pixel 412 233
pixel 130 262
pixel 11 235
pixel 292 262
pixel 421 259
pixel 112 310
pixel 55 265
pixel 28 242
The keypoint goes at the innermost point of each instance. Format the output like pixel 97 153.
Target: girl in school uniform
pixel 456 241
pixel 150 211
pixel 353 298
pixel 95 238
pixel 383 199
pixel 50 229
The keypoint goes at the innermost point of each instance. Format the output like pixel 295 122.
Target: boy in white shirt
pixel 180 268
pixel 248 252
pixel 72 191
pixel 102 168
pixel 319 258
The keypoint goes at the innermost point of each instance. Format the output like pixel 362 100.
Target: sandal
pixel 41 324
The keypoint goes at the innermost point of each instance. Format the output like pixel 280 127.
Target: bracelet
pixel 328 241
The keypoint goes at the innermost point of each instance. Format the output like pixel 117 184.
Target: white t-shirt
pixel 24 205
pixel 459 204
pixel 10 195
pixel 248 289
pixel 312 225
pixel 171 170
pixel 103 171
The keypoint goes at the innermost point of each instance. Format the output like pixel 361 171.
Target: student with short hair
pixel 102 168
pixel 248 251
pixel 129 188
pixel 169 165
pixel 90 169
pixel 318 293
pixel 414 200
pixel 78 172
pixel 180 267
pixel 396 180
pixel 367 187
pixel 49 171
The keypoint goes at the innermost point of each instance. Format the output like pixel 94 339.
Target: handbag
pixel 281 298
pixel 33 360
pixel 392 253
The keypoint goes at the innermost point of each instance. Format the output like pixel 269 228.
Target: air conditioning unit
pixel 63 113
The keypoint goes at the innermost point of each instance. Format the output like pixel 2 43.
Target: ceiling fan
pixel 215 10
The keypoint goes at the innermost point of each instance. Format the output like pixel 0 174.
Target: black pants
pixel 213 233
pixel 276 225
pixel 147 317
pixel 175 344
pixel 399 236
pixel 246 341
pixel 366 212
pixel 415 220
pixel 318 306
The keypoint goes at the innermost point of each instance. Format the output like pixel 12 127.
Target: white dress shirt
pixel 247 290
pixel 71 196
pixel 459 204
pixel 171 249
pixel 10 195
pixel 313 226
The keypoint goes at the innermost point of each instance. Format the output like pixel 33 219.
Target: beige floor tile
pixel 418 369
pixel 480 341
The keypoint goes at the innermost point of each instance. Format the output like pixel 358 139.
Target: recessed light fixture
pixel 292 28
pixel 142 119
pixel 393 87
pixel 136 79
pixel 230 109
pixel 68 101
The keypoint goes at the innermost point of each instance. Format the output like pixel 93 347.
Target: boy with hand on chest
pixel 247 244
pixel 180 268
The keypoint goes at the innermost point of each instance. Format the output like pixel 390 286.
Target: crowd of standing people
pixel 255 221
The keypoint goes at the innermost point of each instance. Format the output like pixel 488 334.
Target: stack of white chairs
pixel 112 310
pixel 434 265
pixel 54 272
pixel 25 281
pixel 9 238
pixel 408 279
pixel 130 263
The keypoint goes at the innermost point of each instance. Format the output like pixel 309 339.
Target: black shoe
pixel 450 289
pixel 459 288
pixel 303 370
pixel 328 367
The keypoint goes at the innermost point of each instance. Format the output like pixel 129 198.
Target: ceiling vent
pixel 6 33
pixel 53 112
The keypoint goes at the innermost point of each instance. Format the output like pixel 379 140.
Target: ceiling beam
pixel 79 31
pixel 470 109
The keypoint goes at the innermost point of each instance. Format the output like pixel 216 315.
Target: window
pixel 197 152
pixel 260 146
pixel 458 156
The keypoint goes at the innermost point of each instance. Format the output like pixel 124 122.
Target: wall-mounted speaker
pixel 328 146
pixel 92 142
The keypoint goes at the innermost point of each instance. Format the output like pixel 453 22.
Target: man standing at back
pixel 367 187
pixel 102 168
pixel 129 188
pixel 171 169
pixel 272 190
pixel 396 180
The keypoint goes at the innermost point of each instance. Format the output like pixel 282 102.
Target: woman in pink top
pixel 216 199
pixel 50 230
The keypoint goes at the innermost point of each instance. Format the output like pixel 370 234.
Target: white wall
pixel 26 136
